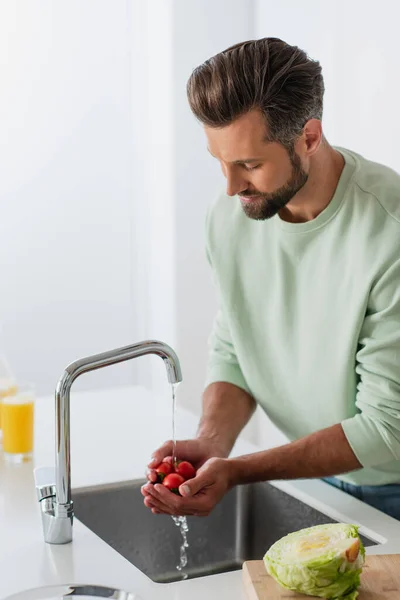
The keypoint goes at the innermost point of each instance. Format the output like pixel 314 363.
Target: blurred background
pixel 104 175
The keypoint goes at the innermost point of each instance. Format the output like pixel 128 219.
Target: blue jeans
pixel 383 497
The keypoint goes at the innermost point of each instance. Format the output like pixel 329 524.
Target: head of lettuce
pixel 324 561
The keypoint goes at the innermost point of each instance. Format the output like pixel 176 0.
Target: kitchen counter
pixel 114 433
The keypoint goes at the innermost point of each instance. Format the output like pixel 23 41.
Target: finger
pixel 199 504
pixel 159 506
pixel 173 501
pixel 163 451
pixel 184 449
pixel 169 502
pixel 168 498
pixel 148 502
pixel 176 505
pixel 173 504
pixel 164 495
pixel 161 494
pixel 146 488
pixel 151 475
pixel 191 487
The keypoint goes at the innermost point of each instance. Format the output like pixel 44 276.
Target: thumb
pixel 158 456
pixel 193 486
pixel 166 450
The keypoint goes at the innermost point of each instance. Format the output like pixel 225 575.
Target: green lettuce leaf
pixel 324 561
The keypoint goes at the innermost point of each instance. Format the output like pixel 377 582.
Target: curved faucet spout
pixel 57 512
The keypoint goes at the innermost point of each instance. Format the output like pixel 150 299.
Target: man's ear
pixel 311 138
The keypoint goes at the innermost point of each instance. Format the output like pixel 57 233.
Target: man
pixel 305 249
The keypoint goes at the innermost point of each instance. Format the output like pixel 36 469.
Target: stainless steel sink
pixel 242 527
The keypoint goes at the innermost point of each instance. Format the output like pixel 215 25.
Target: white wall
pixel 153 193
pixel 66 151
pixel 357 45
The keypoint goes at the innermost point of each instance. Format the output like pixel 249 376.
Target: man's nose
pixel 235 183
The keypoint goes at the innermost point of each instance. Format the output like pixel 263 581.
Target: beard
pixel 268 205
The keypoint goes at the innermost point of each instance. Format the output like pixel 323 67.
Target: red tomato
pixel 162 470
pixel 173 481
pixel 186 469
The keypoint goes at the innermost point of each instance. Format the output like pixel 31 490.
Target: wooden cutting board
pixel 380 580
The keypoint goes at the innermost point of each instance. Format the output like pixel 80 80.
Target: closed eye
pixel 252 167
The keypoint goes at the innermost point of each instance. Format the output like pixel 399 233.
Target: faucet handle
pixel 56 519
pixel 45 482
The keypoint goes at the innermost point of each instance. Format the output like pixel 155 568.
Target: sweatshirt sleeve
pixel 223 364
pixel 374 433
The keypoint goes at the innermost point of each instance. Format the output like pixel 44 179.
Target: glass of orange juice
pixel 8 387
pixel 17 422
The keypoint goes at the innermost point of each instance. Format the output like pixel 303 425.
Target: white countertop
pixel 114 433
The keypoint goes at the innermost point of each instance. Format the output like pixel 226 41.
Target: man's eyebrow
pixel 241 161
pixel 246 160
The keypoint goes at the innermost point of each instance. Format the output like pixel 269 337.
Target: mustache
pixel 251 195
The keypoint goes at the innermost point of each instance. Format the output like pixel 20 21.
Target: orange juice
pixel 17 419
pixel 7 388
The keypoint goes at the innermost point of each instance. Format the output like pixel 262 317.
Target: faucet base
pixel 56 529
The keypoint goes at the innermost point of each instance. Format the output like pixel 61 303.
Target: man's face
pixel 263 174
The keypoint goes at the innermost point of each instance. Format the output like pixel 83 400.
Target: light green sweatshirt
pixel 309 319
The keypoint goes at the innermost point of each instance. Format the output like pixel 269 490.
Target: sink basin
pixel 242 527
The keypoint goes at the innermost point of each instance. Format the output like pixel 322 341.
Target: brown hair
pixel 269 74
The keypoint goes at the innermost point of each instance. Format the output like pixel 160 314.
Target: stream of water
pixel 180 522
pixel 174 387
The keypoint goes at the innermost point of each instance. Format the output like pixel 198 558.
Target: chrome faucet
pixel 54 486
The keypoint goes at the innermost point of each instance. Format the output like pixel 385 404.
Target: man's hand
pixel 226 410
pixel 198 495
pixel 196 451
pixel 320 454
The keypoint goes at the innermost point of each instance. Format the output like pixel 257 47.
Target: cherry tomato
pixel 173 481
pixel 163 469
pixel 186 469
